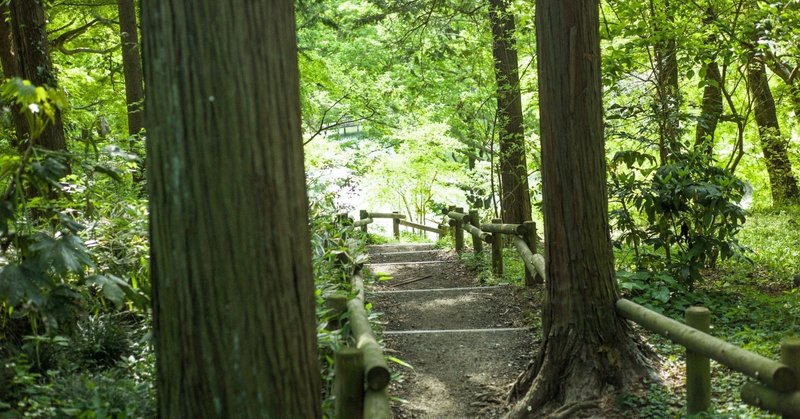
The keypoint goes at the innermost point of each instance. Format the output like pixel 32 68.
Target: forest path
pixel 466 342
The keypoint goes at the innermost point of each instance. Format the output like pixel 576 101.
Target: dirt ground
pixel 466 343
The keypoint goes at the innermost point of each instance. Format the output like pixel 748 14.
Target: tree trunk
pixel 33 62
pixel 587 348
pixel 789 76
pixel 773 145
pixel 132 65
pixel 515 199
pixel 711 107
pixel 10 63
pixel 710 110
pixel 668 95
pixel 233 293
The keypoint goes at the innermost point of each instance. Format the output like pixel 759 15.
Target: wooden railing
pixel 366 218
pixel 361 375
pixel 779 390
pixel 522 236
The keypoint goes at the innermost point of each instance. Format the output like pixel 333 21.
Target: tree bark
pixel 668 95
pixel 132 65
pixel 233 293
pixel 28 26
pixel 711 107
pixel 789 75
pixel 710 110
pixel 515 199
pixel 782 181
pixel 587 348
pixel 10 63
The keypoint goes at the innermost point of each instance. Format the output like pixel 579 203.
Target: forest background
pixel 406 106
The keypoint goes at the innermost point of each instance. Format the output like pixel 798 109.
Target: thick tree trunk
pixel 33 57
pixel 710 110
pixel 711 107
pixel 587 348
pixel 10 63
pixel 515 199
pixel 789 75
pixel 132 65
pixel 773 145
pixel 668 95
pixel 233 292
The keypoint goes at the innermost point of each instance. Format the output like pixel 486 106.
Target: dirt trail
pixel 466 342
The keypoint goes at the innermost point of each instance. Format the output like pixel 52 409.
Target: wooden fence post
pixel 477 243
pixel 363 214
pixel 459 230
pixel 531 278
pixel 396 225
pixel 349 383
pixel 443 230
pixel 698 367
pixel 497 251
pixel 790 355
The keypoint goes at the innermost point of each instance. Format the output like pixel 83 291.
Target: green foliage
pixel 678 218
pixel 101 341
pixel 112 386
pixel 335 249
pixel 49 271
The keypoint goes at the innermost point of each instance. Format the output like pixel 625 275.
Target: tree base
pixel 572 376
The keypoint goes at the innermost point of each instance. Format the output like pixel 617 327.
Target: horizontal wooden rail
pixel 361 223
pixel 787 404
pixel 475 231
pixel 422 227
pixel 386 215
pixel 772 373
pixel 497 228
pixel 457 215
pixel 376 372
pixel 534 262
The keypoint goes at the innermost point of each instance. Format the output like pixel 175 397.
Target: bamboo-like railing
pixel 361 372
pixel 779 388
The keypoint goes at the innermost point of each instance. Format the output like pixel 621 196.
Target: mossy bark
pixel 131 65
pixel 233 293
pixel 587 348
pixel 31 51
pixel 775 148
pixel 515 201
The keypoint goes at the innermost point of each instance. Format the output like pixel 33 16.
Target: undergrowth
pixel 754 305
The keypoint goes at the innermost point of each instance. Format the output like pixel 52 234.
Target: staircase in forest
pixel 466 342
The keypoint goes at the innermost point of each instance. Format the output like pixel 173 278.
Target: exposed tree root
pixel 571 375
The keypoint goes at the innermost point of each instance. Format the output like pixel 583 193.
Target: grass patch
pixel 753 306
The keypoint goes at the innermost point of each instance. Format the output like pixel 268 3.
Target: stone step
pixel 405 247
pixel 466 308
pixel 410 256
pixel 431 274
pixel 439 332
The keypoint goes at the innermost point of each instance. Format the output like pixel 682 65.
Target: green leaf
pixel 113 287
pixel 661 294
pixel 64 254
pixel 399 362
pixel 109 171
pixel 21 283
